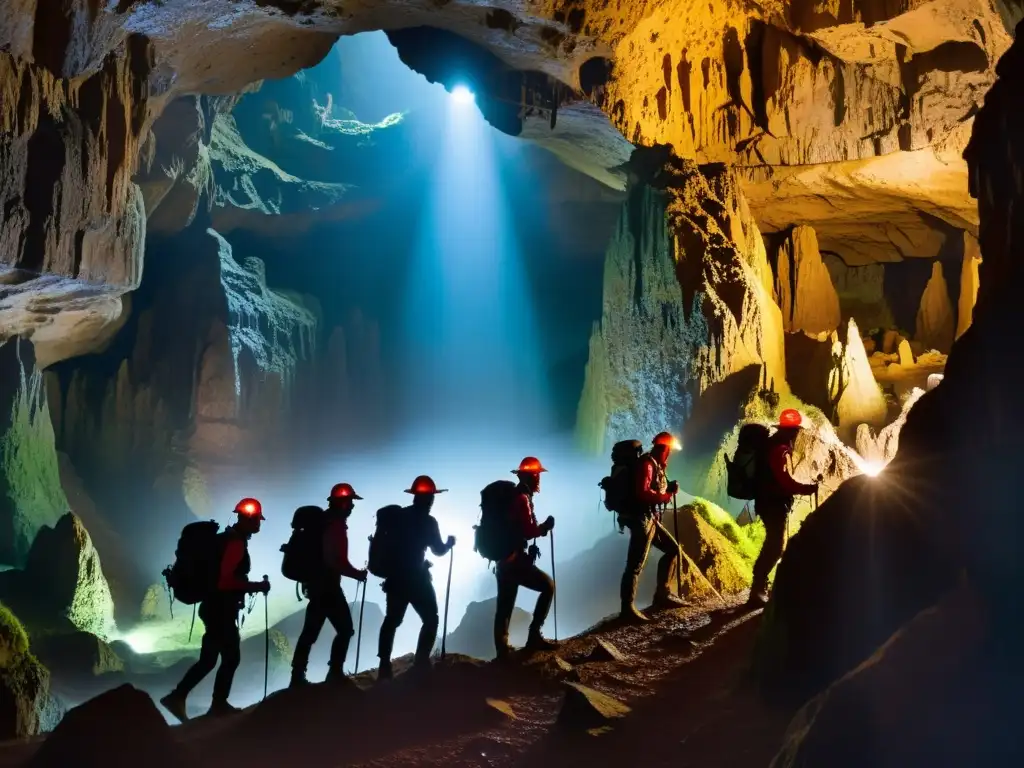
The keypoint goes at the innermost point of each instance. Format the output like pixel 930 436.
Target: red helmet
pixel 530 465
pixel 665 438
pixel 250 508
pixel 790 419
pixel 343 491
pixel 423 485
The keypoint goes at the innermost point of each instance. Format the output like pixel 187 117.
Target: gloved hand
pixel 362 575
pixel 673 488
pixel 262 587
pixel 549 524
pixel 451 542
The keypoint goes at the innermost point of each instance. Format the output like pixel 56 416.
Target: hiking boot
pixel 175 704
pixel 757 599
pixel 537 642
pixel 384 672
pixel 503 653
pixel 223 708
pixel 631 615
pixel 335 676
pixel 298 680
pixel 666 601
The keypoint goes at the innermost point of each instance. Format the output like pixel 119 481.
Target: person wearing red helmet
pixel 411 583
pixel 219 614
pixel 651 492
pixel 775 500
pixel 326 598
pixel 520 568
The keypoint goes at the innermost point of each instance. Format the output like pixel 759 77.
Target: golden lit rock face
pixel 803 286
pixel 935 323
pixel 854 393
pixel 969 282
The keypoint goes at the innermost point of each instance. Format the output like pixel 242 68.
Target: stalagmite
pixel 855 395
pixel 803 286
pixel 968 284
pixel 935 317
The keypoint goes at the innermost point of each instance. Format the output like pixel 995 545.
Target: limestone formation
pixel 803 286
pixel 687 306
pixel 935 322
pixel 906 355
pixel 968 284
pixel 62 587
pixel 878 450
pixel 854 393
pixel 30 490
pixel 26 706
pixel 862 294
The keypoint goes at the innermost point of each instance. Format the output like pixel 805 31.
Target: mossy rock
pixel 13 638
pixel 26 706
pixel 746 539
pixel 716 556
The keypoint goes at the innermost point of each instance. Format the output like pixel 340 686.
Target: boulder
pixel 857 569
pixel 27 707
pixel 584 709
pixel 935 323
pixel 76 654
pixel 718 558
pixel 605 651
pixel 121 728
pixel 475 634
pixel 30 490
pixel 62 588
pixel 939 692
pixel 13 640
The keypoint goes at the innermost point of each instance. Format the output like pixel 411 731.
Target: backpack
pixel 745 472
pixel 383 557
pixel 496 537
pixel 304 552
pixel 193 576
pixel 618 485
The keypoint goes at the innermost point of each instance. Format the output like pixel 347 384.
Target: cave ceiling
pixel 848 116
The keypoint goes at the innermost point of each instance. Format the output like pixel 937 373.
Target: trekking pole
pixel 447 597
pixel 551 533
pixel 359 637
pixel 266 640
pixel 679 547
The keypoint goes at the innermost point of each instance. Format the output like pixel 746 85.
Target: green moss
pixel 13 638
pixel 746 539
pixel 30 489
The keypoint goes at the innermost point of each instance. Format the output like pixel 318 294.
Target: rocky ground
pixel 674 691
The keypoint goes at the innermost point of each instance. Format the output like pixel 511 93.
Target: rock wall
pixel 969 281
pixel 687 307
pixel 30 490
pixel 803 285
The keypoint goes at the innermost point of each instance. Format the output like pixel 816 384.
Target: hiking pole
pixel 679 547
pixel 551 533
pixel 266 639
pixel 447 597
pixel 359 637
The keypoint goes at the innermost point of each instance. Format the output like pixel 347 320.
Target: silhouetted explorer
pixel 219 607
pixel 398 553
pixel 519 569
pixel 317 557
pixel 651 491
pixel 774 500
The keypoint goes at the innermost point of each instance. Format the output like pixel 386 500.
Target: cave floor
pixel 682 675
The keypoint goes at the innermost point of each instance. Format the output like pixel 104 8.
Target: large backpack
pixel 193 576
pixel 383 555
pixel 496 537
pixel 618 485
pixel 304 552
pixel 746 470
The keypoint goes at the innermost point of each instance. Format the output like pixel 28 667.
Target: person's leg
pixel 230 656
pixel 208 654
pixel 340 616
pixel 668 564
pixel 397 604
pixel 311 627
pixel 424 602
pixel 641 534
pixel 532 577
pixel 508 588
pixel 774 540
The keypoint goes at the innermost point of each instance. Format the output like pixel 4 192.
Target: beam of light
pixel 462 95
